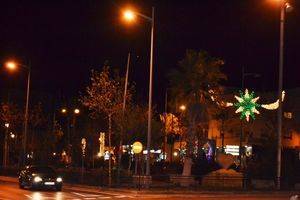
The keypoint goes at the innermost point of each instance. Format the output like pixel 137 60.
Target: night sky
pixel 63 40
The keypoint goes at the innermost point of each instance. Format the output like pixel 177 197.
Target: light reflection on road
pixel 36 196
pixel 58 196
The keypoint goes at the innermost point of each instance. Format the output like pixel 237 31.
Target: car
pixel 39 177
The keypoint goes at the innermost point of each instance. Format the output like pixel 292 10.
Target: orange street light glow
pixel 129 15
pixel 11 65
pixel 63 110
pixel 182 107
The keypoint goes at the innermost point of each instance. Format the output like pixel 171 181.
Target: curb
pixel 8 179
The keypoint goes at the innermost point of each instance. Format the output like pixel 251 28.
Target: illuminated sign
pixel 232 149
pixel 101 144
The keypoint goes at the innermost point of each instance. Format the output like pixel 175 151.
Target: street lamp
pixel 182 107
pixel 76 111
pixel 130 16
pixel 284 7
pixel 12 65
pixel 63 110
pixel 12 135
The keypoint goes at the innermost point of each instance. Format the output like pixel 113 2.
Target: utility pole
pixel 123 117
pixel 150 97
pixel 280 77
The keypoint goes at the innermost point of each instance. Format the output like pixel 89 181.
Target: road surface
pixel 10 191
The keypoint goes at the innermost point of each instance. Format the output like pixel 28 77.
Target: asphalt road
pixel 11 191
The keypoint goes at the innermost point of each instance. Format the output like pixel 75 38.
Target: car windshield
pixel 42 170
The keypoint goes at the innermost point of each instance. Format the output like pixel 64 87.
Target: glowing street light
pixel 11 65
pixel 63 110
pixel 6 125
pixel 182 107
pixel 76 111
pixel 12 135
pixel 130 16
pixel 175 153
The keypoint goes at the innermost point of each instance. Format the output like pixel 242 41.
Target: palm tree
pixel 198 74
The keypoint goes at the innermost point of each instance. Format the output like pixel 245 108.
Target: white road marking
pixel 28 196
pixel 110 193
pixel 87 196
pixel 93 195
pixel 79 194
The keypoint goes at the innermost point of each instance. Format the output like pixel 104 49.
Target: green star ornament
pixel 247 105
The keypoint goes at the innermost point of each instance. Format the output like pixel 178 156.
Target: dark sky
pixel 63 40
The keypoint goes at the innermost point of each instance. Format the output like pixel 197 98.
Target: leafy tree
pixel 38 124
pixel 43 134
pixel 105 95
pixel 136 122
pixel 171 123
pixel 197 74
pixel 134 125
pixel 42 137
pixel 10 113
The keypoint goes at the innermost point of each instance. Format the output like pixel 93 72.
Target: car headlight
pixel 37 179
pixel 59 179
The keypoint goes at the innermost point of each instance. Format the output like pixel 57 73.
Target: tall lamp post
pixel 284 7
pixel 130 16
pixel 11 65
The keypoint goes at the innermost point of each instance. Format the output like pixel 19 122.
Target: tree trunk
pixel 120 150
pixel 129 164
pixel 187 165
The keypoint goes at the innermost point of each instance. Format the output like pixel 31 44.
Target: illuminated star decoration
pixel 247 105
